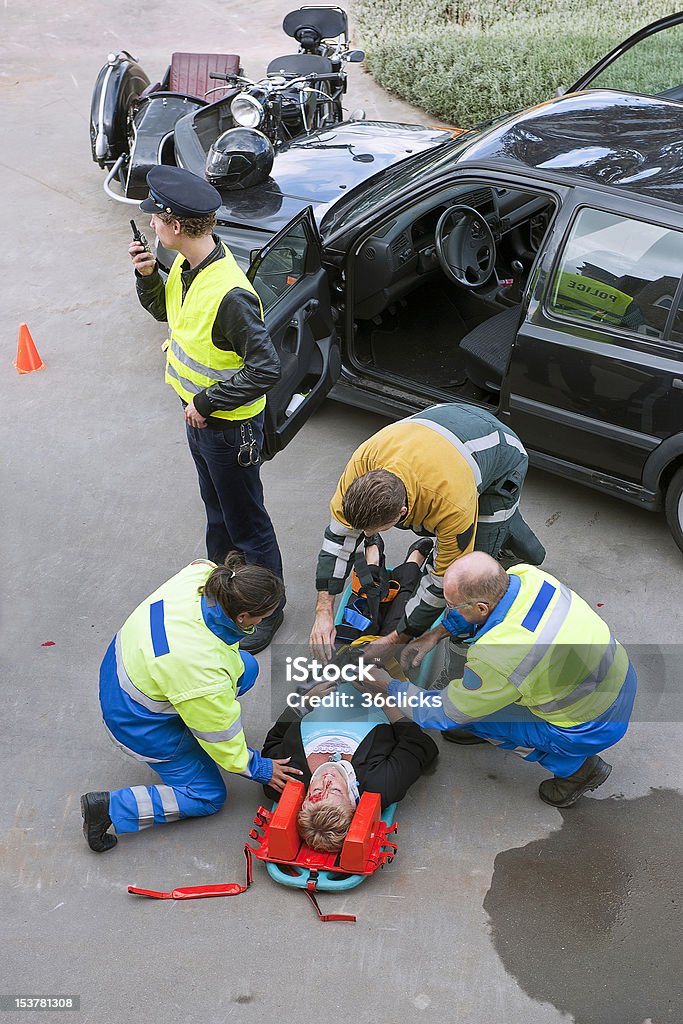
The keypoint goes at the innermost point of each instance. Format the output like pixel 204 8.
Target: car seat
pixel 486 348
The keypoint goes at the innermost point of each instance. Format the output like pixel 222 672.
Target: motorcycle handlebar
pixel 332 76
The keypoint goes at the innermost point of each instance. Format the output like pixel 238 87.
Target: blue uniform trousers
pixel 193 783
pixel 562 751
pixel 236 517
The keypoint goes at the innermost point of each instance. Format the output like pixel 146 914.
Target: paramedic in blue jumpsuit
pixel 544 676
pixel 169 684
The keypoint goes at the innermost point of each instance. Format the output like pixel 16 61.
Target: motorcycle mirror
pixel 355 56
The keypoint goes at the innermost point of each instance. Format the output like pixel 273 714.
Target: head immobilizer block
pixel 291 862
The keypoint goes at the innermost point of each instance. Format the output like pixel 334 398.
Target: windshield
pixel 410 172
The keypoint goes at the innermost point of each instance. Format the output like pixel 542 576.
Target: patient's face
pixel 329 785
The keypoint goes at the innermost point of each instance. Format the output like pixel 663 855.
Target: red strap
pixel 198 892
pixel 328 917
pixel 192 892
pixel 248 858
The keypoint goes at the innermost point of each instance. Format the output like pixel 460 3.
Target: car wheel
pixel 673 506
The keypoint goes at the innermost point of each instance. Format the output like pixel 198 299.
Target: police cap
pixel 177 191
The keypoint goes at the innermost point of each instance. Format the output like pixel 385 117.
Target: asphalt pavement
pixel 498 908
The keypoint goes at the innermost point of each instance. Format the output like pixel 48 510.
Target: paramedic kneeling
pixel 544 677
pixel 169 684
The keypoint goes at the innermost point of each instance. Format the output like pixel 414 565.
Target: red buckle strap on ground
pixel 310 892
pixel 198 892
pixel 351 918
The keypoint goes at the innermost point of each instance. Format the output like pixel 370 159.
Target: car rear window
pixel 623 273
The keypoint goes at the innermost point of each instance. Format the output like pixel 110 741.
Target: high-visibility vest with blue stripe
pixel 193 362
pixel 167 656
pixel 556 652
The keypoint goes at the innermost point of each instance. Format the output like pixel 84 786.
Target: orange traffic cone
pixel 27 354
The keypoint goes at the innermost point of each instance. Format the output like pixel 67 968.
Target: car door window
pixel 651 67
pixel 619 272
pixel 282 266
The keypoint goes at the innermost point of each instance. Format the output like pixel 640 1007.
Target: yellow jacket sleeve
pixel 215 721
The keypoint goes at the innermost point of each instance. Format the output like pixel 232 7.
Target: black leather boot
pixel 263 634
pixel 461 736
pixel 96 821
pixel 565 792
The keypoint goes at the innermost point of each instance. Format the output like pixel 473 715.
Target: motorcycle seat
pixel 189 73
pixel 295 64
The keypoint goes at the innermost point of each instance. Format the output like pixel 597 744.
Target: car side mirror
pixel 356 56
pixel 560 91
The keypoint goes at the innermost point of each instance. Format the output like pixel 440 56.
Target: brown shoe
pixel 565 792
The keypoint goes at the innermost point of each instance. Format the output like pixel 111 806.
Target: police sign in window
pixel 619 272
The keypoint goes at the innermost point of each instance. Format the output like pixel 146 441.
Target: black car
pixel 533 266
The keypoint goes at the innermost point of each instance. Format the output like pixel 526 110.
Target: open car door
pixel 649 63
pixel 288 275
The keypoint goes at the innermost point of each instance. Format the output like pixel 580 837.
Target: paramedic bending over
pixel 343 752
pixel 453 472
pixel 169 685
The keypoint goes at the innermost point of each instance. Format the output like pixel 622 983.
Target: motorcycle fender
pixel 117 91
pixel 152 141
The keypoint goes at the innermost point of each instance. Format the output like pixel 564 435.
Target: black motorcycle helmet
pixel 239 158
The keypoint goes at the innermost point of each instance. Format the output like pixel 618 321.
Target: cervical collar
pixel 347 773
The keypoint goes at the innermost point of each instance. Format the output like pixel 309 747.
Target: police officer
pixel 220 361
pixel 544 676
pixel 169 684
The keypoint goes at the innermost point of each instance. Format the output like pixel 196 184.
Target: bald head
pixel 475 578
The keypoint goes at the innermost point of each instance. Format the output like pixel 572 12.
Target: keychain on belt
pixel 248 455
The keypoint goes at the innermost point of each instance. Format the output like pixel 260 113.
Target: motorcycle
pixel 135 124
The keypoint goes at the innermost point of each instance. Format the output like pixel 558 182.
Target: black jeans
pixel 236 517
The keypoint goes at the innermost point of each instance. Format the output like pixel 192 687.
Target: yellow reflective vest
pixel 193 362
pixel 170 656
pixel 550 652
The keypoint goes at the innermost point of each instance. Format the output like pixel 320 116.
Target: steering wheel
pixel 467 249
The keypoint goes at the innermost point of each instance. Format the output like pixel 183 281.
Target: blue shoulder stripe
pixel 158 629
pixel 535 613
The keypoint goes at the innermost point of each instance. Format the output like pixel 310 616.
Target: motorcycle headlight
pixel 246 111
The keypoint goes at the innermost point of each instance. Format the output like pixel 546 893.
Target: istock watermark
pixel 573 672
pixel 302 669
pixel 341 700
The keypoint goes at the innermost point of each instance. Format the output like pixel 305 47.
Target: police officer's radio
pixel 139 237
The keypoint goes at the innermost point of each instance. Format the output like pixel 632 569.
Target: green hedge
pixel 465 62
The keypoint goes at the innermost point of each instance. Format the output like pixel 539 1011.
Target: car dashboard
pixel 400 253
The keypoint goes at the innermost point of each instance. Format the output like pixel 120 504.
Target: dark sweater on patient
pixel 388 761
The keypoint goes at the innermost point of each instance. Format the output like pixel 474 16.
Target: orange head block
pixel 362 831
pixel 283 835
